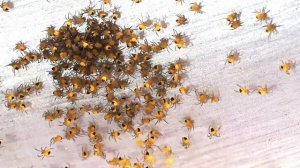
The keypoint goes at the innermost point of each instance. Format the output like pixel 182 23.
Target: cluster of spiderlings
pixel 234 19
pixel 15 98
pixel 27 57
pixel 203 97
pixel 262 16
pixel 179 39
pixel 91 55
pixel 262 90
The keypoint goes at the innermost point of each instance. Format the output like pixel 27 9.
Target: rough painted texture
pixel 257 131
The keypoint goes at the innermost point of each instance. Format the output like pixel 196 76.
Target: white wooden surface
pixel 257 131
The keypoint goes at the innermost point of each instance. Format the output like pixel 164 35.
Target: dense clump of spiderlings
pixel 91 54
